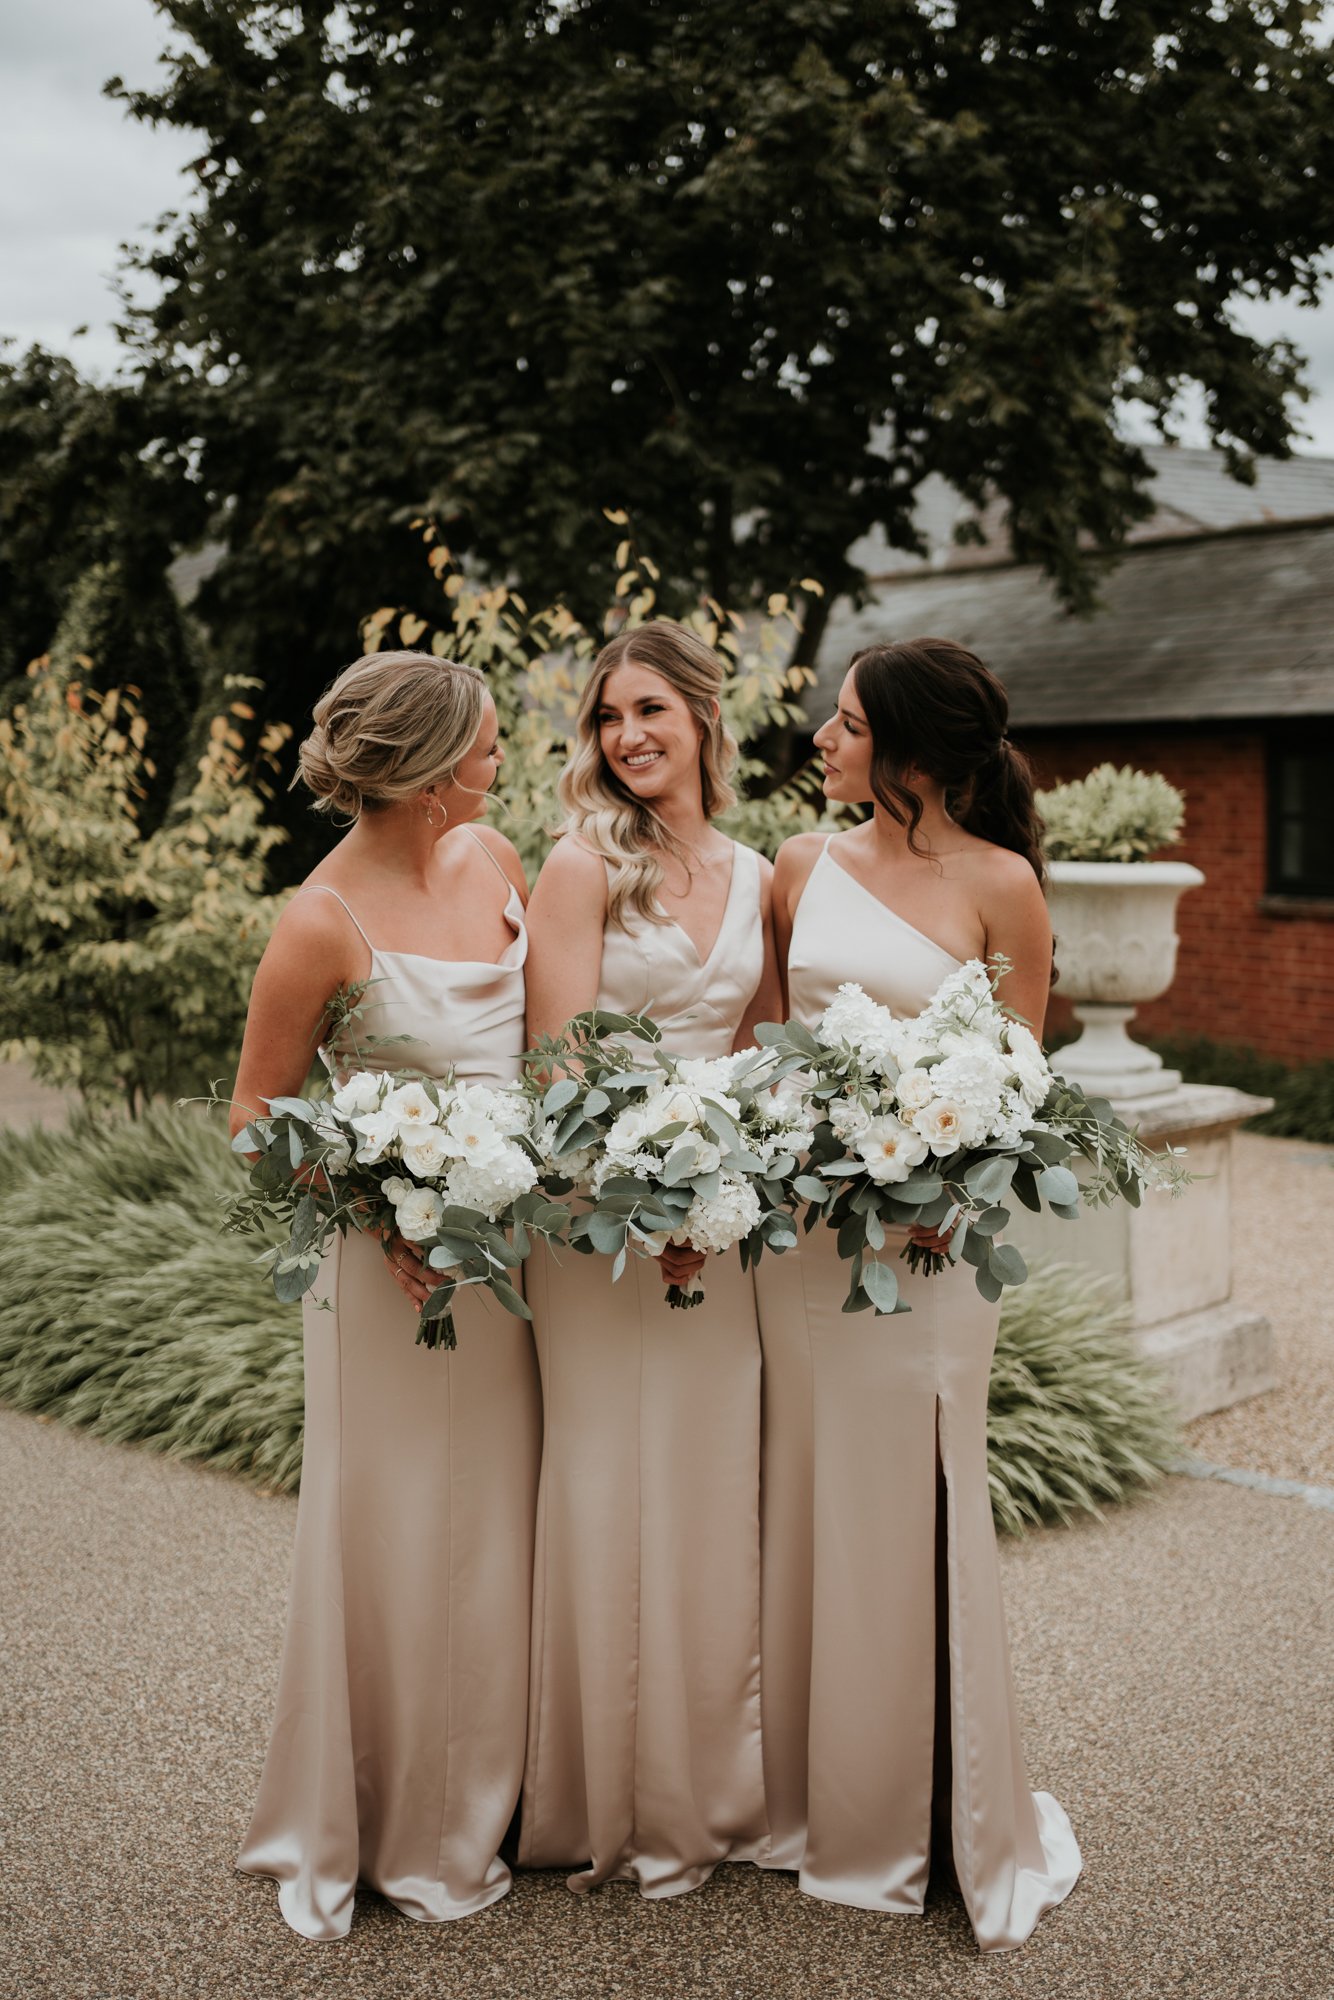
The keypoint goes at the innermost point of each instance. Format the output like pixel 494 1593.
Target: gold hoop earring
pixel 432 804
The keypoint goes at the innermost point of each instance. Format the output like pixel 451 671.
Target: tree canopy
pixel 748 271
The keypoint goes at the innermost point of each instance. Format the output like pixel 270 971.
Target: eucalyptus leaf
pixel 881 1286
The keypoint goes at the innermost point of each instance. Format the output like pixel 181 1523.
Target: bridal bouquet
pixel 450 1166
pixel 666 1149
pixel 938 1120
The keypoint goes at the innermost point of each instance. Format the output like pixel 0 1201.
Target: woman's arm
pixel 1018 928
pixel 566 918
pixel 792 866
pixel 314 950
pixel 766 1002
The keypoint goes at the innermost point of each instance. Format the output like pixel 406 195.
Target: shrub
pixel 128 954
pixel 1303 1097
pixel 146 1324
pixel 1111 815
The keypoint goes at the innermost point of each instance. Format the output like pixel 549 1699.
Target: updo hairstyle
pixel 932 707
pixel 390 725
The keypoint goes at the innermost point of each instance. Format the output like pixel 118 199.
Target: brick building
pixel 1211 660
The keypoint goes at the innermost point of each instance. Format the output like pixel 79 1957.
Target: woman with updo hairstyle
pixel 397 1748
pixel 891 1745
pixel 644 1729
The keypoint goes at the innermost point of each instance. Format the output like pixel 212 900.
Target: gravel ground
pixel 1284 1267
pixel 1174 1674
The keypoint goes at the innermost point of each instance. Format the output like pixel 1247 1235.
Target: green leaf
pixel 510 1299
pixel 606 1232
pixel 1006 1264
pixel 1058 1184
pixel 560 1094
pixel 989 1179
pixel 990 1221
pixel 881 1286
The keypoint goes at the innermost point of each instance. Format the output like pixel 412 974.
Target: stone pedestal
pixel 1172 1259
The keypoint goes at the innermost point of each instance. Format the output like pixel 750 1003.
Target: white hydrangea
pixel 716 1222
pixel 860 1023
pixel 491 1184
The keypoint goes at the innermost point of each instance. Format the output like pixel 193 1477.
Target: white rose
pixel 427 1153
pixel 418 1214
pixel 682 1108
pixel 890 1149
pixel 397 1188
pixel 849 1118
pixel 360 1093
pixel 914 1089
pixel 412 1106
pixel 946 1126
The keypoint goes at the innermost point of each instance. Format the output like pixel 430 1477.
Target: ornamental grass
pixel 125 1310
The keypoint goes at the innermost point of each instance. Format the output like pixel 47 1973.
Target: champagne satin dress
pixel 397 1747
pixel 644 1759
pixel 853 1406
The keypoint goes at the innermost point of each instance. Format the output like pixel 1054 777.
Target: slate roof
pixel 1192 493
pixel 1232 625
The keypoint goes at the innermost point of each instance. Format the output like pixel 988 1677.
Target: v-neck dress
pixel 644 1757
pixel 397 1746
pixel 853 1406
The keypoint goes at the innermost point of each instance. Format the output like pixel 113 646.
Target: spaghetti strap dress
pixel 397 1747
pixel 644 1759
pixel 862 1416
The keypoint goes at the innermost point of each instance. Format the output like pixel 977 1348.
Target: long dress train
pixel 644 1758
pixel 859 1413
pixel 398 1741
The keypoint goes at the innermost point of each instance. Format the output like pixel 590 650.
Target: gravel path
pixel 1174 1673
pixel 1283 1217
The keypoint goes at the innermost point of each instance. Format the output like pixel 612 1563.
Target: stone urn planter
pixel 1116 947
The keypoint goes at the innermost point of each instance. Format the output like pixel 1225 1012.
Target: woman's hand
pixel 931 1239
pixel 679 1264
pixel 413 1278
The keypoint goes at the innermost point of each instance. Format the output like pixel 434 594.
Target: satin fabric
pixel 397 1748
pixel 853 1407
pixel 644 1756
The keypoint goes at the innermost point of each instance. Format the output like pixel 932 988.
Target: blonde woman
pixel 644 1728
pixel 397 1747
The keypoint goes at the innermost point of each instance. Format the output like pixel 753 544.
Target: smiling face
pixel 844 742
pixel 647 731
pixel 464 796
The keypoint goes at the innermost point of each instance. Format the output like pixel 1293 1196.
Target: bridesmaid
pixel 644 1759
pixel 397 1748
pixel 886 1676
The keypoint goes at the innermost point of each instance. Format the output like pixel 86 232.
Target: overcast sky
pixel 78 178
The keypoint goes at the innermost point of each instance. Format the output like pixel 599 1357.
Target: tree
pixel 89 475
pixel 748 271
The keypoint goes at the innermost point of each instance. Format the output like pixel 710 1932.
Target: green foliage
pixel 536 664
pixel 1077 1417
pixel 1111 815
pixel 748 272
pixel 128 954
pixel 148 1325
pixel 125 1310
pixel 89 474
pixel 1303 1096
pixel 110 636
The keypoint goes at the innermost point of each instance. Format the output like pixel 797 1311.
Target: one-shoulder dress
pixel 397 1747
pixel 644 1758
pixel 853 1407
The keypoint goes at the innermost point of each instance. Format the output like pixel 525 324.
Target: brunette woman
pixel 886 1683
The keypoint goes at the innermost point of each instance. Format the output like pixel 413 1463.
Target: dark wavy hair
pixel 933 707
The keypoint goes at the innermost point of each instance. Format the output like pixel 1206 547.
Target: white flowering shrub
pixel 1111 815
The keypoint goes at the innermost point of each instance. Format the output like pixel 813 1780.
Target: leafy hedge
pixel 1303 1097
pixel 124 1309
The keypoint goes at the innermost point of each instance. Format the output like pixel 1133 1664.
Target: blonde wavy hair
pixel 390 725
pixel 607 817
